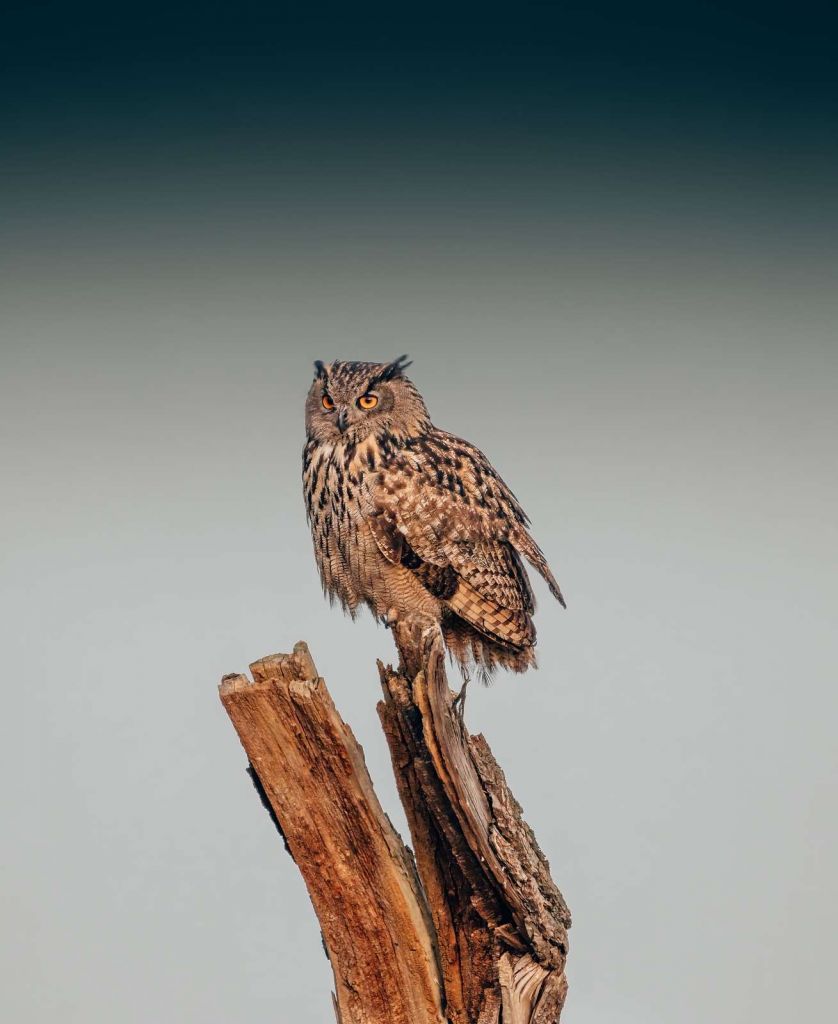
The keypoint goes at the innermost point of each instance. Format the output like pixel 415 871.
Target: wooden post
pixel 479 935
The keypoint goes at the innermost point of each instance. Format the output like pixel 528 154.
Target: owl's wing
pixel 441 510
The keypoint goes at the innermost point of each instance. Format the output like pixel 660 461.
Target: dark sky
pixel 724 69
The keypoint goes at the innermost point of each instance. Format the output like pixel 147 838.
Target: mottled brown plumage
pixel 407 518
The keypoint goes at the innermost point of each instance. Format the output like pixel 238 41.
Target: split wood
pixel 471 931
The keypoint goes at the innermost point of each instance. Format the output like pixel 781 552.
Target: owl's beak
pixel 343 419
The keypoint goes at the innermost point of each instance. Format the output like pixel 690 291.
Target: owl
pixel 409 519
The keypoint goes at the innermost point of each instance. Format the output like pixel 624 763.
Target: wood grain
pixel 476 935
pixel 361 879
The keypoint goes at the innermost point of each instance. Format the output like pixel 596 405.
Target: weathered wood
pixel 501 921
pixel 482 939
pixel 361 879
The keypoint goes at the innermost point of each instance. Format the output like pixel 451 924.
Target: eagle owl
pixel 409 519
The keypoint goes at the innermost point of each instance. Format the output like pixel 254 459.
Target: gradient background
pixel 608 239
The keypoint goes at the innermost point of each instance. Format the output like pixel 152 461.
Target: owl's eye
pixel 328 404
pixel 367 401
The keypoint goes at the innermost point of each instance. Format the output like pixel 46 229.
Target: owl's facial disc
pixel 356 414
pixel 350 401
pixel 347 413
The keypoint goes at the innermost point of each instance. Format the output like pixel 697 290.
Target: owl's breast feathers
pixel 440 509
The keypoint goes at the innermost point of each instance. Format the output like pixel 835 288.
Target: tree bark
pixel 479 934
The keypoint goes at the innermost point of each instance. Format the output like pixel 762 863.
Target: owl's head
pixel 350 401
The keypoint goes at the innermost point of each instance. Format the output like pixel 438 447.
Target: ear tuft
pixel 319 370
pixel 394 369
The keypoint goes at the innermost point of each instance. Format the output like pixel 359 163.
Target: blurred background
pixel 606 234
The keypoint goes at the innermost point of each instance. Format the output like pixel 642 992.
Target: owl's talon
pixel 458 704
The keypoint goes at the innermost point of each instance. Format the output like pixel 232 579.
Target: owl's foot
pixel 458 704
pixel 390 618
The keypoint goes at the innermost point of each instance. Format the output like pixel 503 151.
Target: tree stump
pixel 474 931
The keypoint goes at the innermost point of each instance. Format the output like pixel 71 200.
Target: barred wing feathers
pixel 441 509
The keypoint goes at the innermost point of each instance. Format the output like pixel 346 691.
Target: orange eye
pixel 367 401
pixel 328 404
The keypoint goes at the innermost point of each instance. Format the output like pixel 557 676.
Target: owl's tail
pixel 473 649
